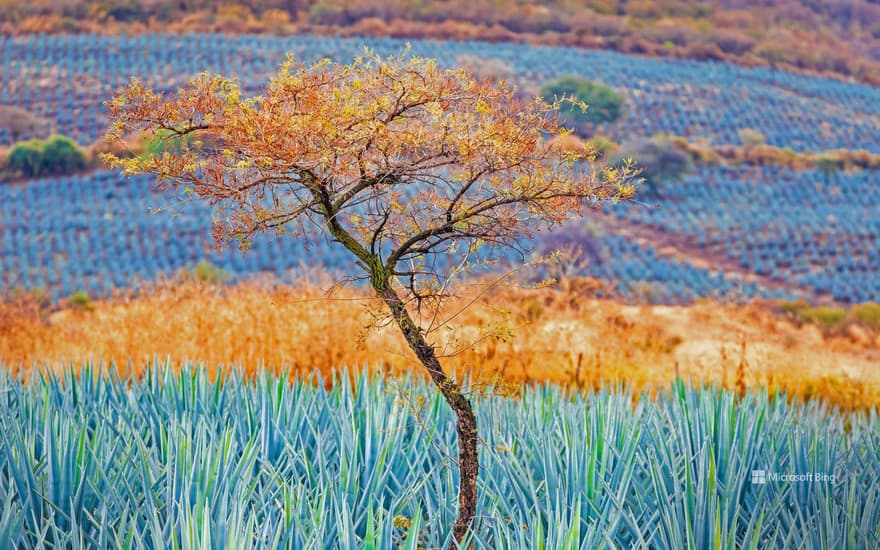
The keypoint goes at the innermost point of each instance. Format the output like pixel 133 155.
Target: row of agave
pixel 173 459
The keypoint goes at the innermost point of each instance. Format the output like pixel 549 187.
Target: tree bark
pixel 468 465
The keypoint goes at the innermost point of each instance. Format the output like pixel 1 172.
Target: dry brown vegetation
pixel 762 154
pixel 560 335
pixel 831 37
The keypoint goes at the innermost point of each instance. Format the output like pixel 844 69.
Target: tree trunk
pixel 469 464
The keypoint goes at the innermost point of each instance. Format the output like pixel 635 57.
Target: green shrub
pixel 80 300
pixel 603 104
pixel 26 158
pixel 61 155
pixel 867 314
pixel 36 158
pixel 793 307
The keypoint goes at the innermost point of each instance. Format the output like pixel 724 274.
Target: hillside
pixel 840 38
pixel 687 360
pixel 736 229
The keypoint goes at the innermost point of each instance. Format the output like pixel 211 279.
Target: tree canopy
pixel 395 158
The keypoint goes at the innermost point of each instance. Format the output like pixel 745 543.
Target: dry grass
pixel 555 335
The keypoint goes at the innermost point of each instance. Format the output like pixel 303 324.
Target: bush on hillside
pixel 61 155
pixel 824 316
pixel 661 160
pixel 207 272
pixel 26 158
pixel 833 319
pixel 80 301
pixel 36 158
pixel 604 105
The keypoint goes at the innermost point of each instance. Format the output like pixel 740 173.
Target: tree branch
pixel 374 239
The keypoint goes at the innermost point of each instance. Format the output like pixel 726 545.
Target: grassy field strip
pixel 561 336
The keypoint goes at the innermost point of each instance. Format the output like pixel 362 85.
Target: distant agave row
pixel 96 232
pixel 174 460
pixel 65 79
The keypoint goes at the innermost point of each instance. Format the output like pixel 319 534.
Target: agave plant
pixel 93 458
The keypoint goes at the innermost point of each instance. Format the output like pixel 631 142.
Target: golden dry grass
pixel 556 335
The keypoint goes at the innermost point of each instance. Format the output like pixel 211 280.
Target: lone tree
pixel 413 169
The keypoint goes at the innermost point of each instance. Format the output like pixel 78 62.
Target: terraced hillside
pixel 762 232
pixel 816 232
pixel 66 79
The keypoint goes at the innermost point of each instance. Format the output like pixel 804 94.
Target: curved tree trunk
pixel 468 464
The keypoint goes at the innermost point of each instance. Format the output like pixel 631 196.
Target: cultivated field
pixel 178 459
pixel 696 368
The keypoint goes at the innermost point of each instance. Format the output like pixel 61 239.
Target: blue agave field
pixel 811 234
pixel 66 79
pixel 97 459
pixel 97 232
pixel 817 232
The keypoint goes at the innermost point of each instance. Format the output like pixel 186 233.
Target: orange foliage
pixel 409 167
